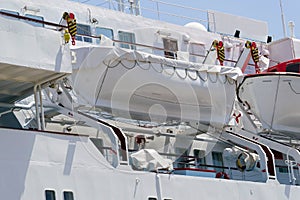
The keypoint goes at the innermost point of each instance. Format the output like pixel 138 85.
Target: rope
pixel 100 88
pixel 135 63
pixel 169 73
pixel 183 78
pixel 203 78
pixel 194 79
pixel 209 77
pixel 293 88
pixel 109 66
pixel 161 66
pixel 138 64
pixel 164 68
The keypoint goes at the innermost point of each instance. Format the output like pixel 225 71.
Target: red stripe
pixel 194 169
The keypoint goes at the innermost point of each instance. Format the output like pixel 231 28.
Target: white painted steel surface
pixel 273 98
pixel 35 161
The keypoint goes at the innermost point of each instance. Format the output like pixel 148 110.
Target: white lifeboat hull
pixel 274 99
pixel 142 86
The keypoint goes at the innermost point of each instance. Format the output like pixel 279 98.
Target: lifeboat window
pixel 68 195
pixel 128 38
pixel 104 31
pixel 217 160
pixel 10 12
pixel 83 33
pixel 38 24
pixel 152 198
pixel 50 194
pixel 170 48
pixel 293 67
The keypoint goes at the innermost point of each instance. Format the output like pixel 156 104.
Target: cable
pixel 146 63
pixel 201 77
pixel 129 68
pixel 112 66
pixel 100 88
pixel 293 88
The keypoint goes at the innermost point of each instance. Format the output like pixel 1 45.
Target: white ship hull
pixel 36 161
pixel 36 59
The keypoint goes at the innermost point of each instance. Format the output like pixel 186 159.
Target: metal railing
pixel 155 9
pixel 32 20
pixel 137 46
pixel 159 11
pixel 119 42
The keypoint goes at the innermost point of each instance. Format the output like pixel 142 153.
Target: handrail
pixel 153 47
pixel 137 8
pixel 99 37
pixel 177 5
pixel 45 131
pixel 275 145
pixel 33 20
pixel 175 15
pixel 158 10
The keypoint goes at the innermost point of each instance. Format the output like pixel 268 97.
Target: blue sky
pixel 264 10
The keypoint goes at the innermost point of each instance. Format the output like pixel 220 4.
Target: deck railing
pixel 162 11
pixel 137 46
pixel 156 9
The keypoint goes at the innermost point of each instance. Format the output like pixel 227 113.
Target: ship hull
pixel 34 162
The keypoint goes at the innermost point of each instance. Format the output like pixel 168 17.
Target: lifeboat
pixel 273 97
pixel 142 86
